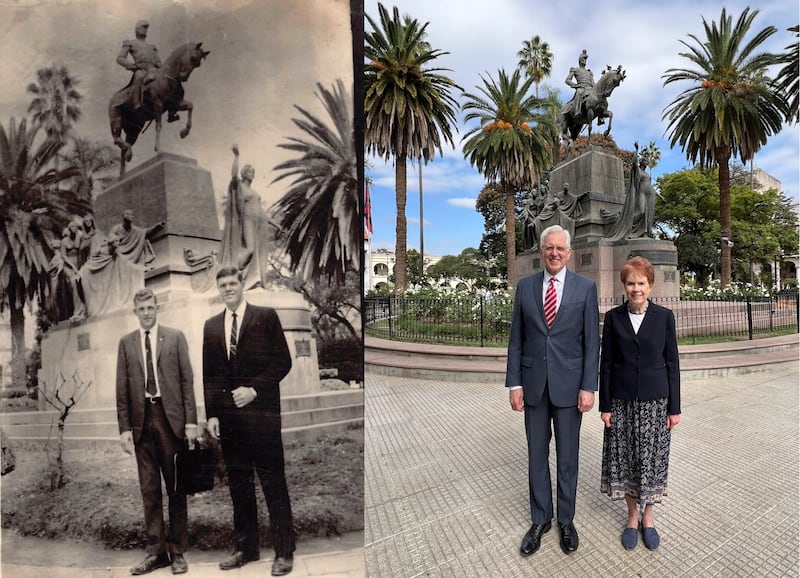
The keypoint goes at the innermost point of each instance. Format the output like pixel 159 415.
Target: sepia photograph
pixel 181 352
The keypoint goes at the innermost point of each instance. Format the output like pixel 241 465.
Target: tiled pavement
pixel 446 485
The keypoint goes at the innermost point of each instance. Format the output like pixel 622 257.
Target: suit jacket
pixel 565 356
pixel 640 365
pixel 262 361
pixel 175 380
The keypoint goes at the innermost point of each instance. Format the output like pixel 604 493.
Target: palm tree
pixel 409 109
pixel 56 101
pixel 731 107
pixel 510 144
pixel 31 209
pixel 787 79
pixel 319 214
pixel 652 156
pixel 535 60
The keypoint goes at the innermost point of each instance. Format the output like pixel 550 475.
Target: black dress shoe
pixel 237 560
pixel 179 565
pixel 282 565
pixel 569 538
pixel 150 563
pixel 533 539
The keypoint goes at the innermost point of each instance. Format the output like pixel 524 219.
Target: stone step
pixel 696 360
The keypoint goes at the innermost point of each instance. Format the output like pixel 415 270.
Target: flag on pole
pixel 367 211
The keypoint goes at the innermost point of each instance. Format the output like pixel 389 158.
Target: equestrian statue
pixel 154 88
pixel 590 101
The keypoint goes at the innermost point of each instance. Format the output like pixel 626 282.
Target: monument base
pixel 88 349
pixel 602 260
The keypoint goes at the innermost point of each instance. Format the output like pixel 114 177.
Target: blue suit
pixel 552 365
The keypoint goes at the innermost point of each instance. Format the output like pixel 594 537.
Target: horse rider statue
pixel 582 80
pixel 145 61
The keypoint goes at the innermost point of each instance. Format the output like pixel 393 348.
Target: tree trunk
pixel 18 373
pixel 511 236
pixel 400 267
pixel 723 155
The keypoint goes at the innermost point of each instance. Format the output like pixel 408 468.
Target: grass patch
pixel 102 501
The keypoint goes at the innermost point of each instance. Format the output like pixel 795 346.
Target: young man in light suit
pixel 553 356
pixel 156 410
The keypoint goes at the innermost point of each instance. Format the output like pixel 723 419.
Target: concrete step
pixel 697 361
pixel 304 417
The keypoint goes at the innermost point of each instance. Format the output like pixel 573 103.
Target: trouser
pixel 566 423
pixel 155 456
pixel 249 451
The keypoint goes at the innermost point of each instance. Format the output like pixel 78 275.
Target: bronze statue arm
pixel 152 230
pixel 156 58
pixel 122 57
pixel 235 166
pixel 571 75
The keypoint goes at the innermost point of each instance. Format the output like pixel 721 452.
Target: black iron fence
pixel 486 320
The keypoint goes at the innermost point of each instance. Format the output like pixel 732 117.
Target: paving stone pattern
pixel 447 495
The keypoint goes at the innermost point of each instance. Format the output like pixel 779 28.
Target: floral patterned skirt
pixel 636 451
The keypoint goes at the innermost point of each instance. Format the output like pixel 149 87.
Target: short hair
pixel 638 265
pixel 554 229
pixel 229 271
pixel 144 295
pixel 246 168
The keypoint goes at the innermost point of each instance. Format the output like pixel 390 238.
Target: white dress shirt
pixel 229 324
pixel 153 347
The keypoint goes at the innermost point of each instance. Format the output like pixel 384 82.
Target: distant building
pixel 763 181
pixel 381 265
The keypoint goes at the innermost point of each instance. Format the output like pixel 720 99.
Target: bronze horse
pixel 595 106
pixel 164 92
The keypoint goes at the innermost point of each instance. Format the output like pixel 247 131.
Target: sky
pixel 266 56
pixel 482 37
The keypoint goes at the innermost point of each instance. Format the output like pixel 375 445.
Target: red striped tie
pixel 550 302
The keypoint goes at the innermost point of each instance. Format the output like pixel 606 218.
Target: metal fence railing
pixel 486 320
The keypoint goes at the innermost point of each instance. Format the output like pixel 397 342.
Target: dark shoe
pixel 650 538
pixel 282 566
pixel 237 560
pixel 179 565
pixel 569 538
pixel 630 538
pixel 533 539
pixel 150 563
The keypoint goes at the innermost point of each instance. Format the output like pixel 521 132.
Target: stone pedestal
pixel 599 176
pixel 174 190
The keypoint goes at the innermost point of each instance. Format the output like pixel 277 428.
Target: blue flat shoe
pixel 650 538
pixel 630 538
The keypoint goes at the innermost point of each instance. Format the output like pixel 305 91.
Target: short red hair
pixel 640 266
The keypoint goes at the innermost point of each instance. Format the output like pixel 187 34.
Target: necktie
pixel 151 374
pixel 234 332
pixel 550 302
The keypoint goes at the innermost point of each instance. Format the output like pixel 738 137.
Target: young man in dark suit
pixel 553 358
pixel 245 356
pixel 156 410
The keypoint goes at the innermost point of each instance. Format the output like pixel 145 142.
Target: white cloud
pixel 462 202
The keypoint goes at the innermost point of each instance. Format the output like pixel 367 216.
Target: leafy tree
pixel 31 210
pixel 319 214
pixel 56 101
pixel 535 60
pixel 408 106
pixel 551 109
pixel 509 145
pixel 469 265
pixel 491 204
pixel 730 108
pixel 787 79
pixel 92 159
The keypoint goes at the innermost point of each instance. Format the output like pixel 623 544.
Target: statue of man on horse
pixel 590 101
pixel 154 88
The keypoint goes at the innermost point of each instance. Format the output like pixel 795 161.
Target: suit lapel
pixel 136 339
pixel 538 296
pixel 159 344
pixel 247 318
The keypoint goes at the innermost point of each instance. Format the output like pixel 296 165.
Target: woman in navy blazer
pixel 640 400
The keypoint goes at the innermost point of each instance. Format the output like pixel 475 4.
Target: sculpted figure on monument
pixel 582 80
pixel 244 234
pixel 66 300
pixel 109 280
pixel 561 208
pixel 132 241
pixel 636 218
pixel 145 61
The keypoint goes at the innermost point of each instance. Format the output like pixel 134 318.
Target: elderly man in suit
pixel 245 356
pixel 553 356
pixel 156 410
